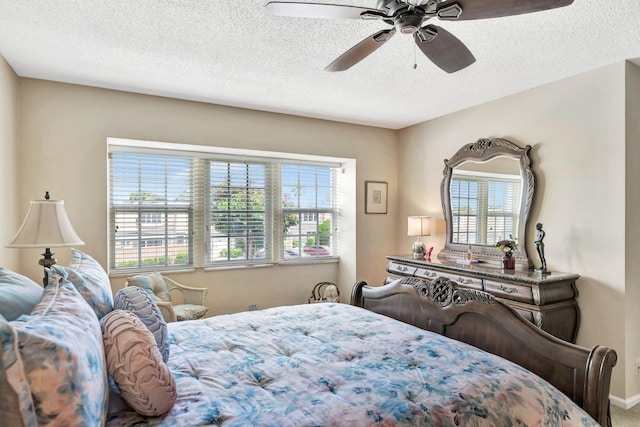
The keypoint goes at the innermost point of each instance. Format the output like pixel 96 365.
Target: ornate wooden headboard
pixel 476 318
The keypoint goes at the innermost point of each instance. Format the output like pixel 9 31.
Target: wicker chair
pixel 325 292
pixel 176 302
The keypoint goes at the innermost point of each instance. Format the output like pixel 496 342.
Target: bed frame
pixel 476 318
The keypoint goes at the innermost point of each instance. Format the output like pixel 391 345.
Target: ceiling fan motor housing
pixel 408 23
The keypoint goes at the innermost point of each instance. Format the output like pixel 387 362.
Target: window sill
pixel 239 266
pixel 130 273
pixel 309 261
pixel 303 261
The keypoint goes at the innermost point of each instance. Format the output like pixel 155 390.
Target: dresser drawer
pixel 427 274
pixel 468 282
pixel 405 270
pixel 549 302
pixel 509 291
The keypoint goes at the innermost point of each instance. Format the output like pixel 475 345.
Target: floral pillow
pixel 9 406
pixel 53 362
pixel 88 276
pixel 18 294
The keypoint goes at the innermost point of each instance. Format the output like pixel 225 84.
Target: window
pixel 465 210
pixel 237 211
pixel 484 199
pixel 309 216
pixel 151 209
pixel 308 209
pixel 172 209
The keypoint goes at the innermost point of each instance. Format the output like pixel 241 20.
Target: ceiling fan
pixel 408 16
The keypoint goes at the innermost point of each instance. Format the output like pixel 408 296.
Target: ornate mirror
pixel 487 191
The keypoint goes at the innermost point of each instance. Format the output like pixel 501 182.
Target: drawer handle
pixel 503 288
pixel 402 268
pixel 431 274
pixel 465 281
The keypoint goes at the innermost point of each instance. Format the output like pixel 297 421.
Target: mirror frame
pixel 481 151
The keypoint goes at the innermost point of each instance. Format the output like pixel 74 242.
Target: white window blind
pixel 477 200
pixel 465 210
pixel 503 203
pixel 171 209
pixel 308 204
pixel 238 211
pixel 151 204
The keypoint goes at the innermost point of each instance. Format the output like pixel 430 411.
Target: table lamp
pixel 418 226
pixel 46 226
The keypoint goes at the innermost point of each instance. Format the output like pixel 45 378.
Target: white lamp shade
pixel 419 226
pixel 46 226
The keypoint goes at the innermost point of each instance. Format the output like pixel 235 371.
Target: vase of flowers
pixel 508 247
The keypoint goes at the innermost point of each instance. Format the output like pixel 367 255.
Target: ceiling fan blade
pixel 360 51
pixel 318 10
pixel 483 9
pixel 443 48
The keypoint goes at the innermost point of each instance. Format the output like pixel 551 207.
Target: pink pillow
pixel 135 364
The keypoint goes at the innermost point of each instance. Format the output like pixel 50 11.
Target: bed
pixel 325 364
pixel 476 318
pixel 335 364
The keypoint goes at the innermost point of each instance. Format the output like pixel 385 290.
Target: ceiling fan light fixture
pixel 427 34
pixel 450 12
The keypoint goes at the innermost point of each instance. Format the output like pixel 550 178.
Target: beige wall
pixel 65 127
pixel 577 130
pixel 8 163
pixel 577 127
pixel 632 229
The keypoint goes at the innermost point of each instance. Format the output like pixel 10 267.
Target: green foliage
pixel 235 253
pixel 148 262
pixel 324 233
pixel 181 258
pixel 311 241
pixel 144 196
pixel 239 212
pixel 290 220
pixel 130 263
pixel 153 261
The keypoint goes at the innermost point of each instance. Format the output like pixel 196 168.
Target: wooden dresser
pixel 548 301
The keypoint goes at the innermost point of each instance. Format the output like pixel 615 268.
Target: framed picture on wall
pixel 375 199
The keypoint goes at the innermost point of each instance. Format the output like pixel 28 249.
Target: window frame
pixel 483 212
pixel 199 236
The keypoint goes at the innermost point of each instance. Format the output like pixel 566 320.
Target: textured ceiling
pixel 233 53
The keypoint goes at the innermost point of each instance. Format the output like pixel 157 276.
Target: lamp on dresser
pixel 418 226
pixel 46 226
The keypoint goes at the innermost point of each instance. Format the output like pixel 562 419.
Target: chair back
pixel 153 283
pixel 325 292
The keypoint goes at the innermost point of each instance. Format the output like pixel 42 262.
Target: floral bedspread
pixel 339 365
